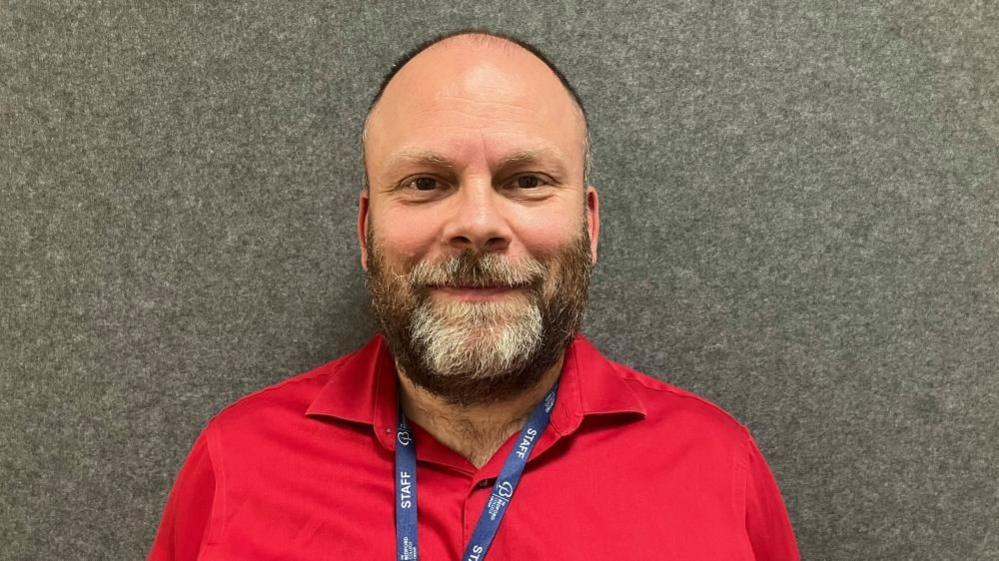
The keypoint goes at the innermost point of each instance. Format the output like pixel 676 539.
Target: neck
pixel 474 431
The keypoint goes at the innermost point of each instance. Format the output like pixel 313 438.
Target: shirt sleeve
pixel 184 525
pixel 767 523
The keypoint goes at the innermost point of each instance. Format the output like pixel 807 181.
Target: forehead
pixel 465 97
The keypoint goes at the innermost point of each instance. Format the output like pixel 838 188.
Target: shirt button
pixel 485 483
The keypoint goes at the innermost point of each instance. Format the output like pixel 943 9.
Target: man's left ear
pixel 363 208
pixel 593 220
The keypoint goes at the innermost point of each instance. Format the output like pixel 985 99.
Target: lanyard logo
pixel 504 490
pixel 404 437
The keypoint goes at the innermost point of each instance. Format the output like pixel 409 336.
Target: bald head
pixel 474 83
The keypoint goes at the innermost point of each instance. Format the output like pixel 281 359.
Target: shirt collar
pixel 362 389
pixel 590 385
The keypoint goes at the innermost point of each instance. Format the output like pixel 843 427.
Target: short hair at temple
pixel 488 35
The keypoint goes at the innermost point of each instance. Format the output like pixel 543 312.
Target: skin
pixel 475 144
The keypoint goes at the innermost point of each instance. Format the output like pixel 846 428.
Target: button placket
pixel 470 514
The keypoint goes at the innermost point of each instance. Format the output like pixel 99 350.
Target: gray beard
pixel 476 340
pixel 481 352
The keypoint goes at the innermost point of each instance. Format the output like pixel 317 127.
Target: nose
pixel 476 221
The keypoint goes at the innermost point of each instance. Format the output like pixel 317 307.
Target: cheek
pixel 550 233
pixel 404 237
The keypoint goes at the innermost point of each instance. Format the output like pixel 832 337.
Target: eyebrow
pixel 546 157
pixel 432 159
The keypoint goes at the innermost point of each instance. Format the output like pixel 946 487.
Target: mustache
pixel 477 270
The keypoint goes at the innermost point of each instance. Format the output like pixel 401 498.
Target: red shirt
pixel 629 468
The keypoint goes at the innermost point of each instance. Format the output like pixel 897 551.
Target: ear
pixel 363 208
pixel 593 220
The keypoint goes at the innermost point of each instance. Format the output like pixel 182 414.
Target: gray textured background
pixel 801 222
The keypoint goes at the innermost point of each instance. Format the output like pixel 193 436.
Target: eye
pixel 423 184
pixel 528 182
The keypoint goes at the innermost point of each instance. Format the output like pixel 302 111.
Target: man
pixel 479 425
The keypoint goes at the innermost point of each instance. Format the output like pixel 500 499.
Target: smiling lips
pixel 473 294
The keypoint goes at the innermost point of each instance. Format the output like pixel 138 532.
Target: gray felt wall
pixel 801 222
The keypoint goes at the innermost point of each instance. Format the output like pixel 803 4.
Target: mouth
pixel 476 293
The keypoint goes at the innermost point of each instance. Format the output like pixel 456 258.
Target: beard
pixel 477 352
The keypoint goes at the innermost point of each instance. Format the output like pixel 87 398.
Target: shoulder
pixel 287 399
pixel 681 412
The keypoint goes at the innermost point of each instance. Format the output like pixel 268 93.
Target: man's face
pixel 477 231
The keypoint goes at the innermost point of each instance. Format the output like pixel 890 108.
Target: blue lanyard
pixel 502 493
